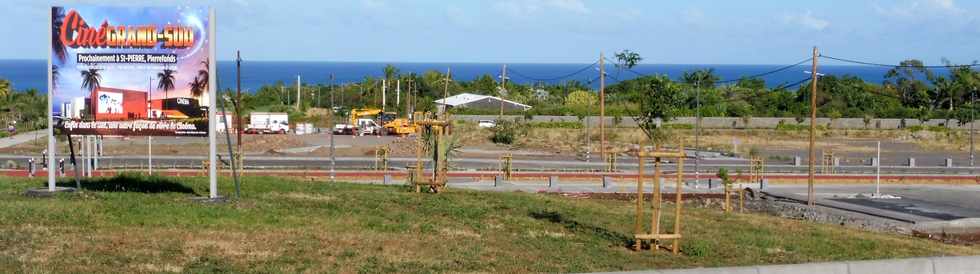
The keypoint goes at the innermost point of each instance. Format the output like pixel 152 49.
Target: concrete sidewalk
pixel 21 138
pixel 928 265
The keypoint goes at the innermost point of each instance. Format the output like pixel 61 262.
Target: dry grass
pixel 292 226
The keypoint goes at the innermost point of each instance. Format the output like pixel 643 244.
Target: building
pixel 476 101
pixel 116 104
pixel 177 108
pixel 222 118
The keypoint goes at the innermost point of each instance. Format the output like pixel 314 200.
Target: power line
pixel 777 70
pixel 548 79
pixel 794 83
pixel 894 66
pixel 766 73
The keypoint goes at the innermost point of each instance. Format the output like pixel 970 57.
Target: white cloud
pixel 807 20
pixel 919 8
pixel 374 4
pixel 694 16
pixel 570 5
pixel 523 8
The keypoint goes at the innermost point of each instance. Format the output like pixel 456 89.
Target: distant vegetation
pixel 911 90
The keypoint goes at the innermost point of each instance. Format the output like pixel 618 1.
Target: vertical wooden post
pixel 657 202
pixel 638 227
pixel 811 200
pixel 678 197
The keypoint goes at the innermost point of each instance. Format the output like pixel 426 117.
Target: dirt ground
pixel 547 142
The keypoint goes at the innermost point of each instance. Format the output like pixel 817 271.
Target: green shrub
pixel 572 125
pixel 678 126
pixel 505 132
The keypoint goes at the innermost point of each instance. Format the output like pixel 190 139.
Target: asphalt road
pixel 916 203
pixel 708 166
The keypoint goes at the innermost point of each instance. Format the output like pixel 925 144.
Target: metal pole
pixel 503 86
pixel 299 96
pixel 149 154
pixel 212 139
pixel 602 107
pixel 333 159
pixel 384 91
pixel 231 153
pixel 813 128
pixel 972 120
pixel 238 101
pixel 697 133
pixel 51 141
pixel 878 173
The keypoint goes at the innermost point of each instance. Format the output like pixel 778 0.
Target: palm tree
pixel 197 87
pixel 166 82
pixel 5 89
pixel 57 18
pixel 390 73
pixel 205 75
pixel 91 79
pixel 903 79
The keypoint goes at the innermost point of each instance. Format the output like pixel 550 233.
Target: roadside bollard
pixel 30 167
pixel 911 162
pixel 552 181
pixel 498 180
pixel 61 166
pixel 949 162
pixel 797 161
pixel 607 182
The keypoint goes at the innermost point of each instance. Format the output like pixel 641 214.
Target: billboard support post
pixel 51 140
pixel 212 142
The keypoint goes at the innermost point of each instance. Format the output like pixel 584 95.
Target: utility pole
pixel 398 93
pixel 149 138
pixel 602 107
pixel 697 132
pixel 503 88
pixel 298 94
pixel 972 120
pixel 811 200
pixel 445 94
pixel 238 101
pixel 384 91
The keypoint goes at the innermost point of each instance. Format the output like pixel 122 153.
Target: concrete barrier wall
pixel 931 265
pixel 735 122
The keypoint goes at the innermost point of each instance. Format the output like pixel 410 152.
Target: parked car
pixel 486 123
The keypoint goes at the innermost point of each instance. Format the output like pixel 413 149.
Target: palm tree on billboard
pixel 91 80
pixel 197 87
pixel 166 83
pixel 57 18
pixel 204 82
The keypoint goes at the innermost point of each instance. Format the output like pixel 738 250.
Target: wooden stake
pixel 638 228
pixel 811 200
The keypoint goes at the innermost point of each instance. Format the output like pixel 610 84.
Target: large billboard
pixel 132 70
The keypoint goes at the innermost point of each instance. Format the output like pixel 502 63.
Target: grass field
pixel 140 224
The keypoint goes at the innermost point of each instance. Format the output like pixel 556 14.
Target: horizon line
pixel 483 63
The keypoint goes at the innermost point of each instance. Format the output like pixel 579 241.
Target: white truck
pixel 268 123
pixel 364 127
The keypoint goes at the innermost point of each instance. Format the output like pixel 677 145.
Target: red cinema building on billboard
pixel 109 104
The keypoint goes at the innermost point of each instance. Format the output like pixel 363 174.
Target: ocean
pixel 28 74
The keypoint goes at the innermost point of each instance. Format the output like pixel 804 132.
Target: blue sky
pixel 561 31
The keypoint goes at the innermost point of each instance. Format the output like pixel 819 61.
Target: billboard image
pixel 131 70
